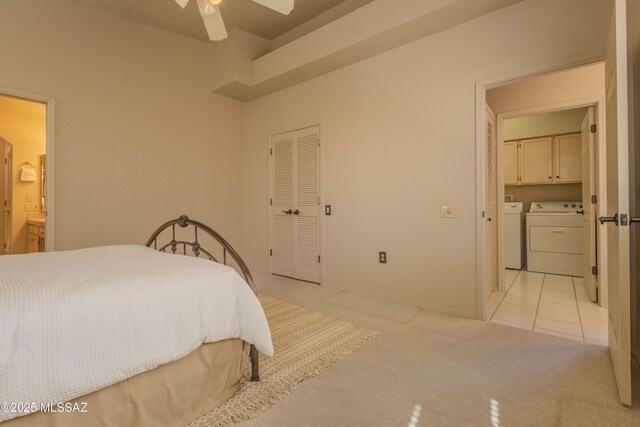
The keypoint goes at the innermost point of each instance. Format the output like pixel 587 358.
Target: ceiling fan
pixel 213 19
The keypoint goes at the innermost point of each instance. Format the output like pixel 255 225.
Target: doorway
pixel 294 214
pixel 547 261
pixel 549 283
pixel 26 134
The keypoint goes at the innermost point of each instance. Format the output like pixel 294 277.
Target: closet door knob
pixel 287 212
pixel 296 212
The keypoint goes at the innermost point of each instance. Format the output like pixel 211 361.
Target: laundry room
pixel 542 235
pixel 542 165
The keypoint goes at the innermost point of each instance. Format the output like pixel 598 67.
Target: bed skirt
pixel 170 395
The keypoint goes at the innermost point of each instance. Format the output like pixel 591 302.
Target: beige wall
pixel 575 84
pixel 24 125
pixel 544 193
pixel 139 137
pixel 398 141
pixel 543 124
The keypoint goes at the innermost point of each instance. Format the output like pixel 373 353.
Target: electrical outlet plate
pixel 382 256
pixel 449 211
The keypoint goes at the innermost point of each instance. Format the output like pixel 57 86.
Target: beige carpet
pixel 305 341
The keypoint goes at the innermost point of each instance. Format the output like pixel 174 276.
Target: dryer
pixel 554 238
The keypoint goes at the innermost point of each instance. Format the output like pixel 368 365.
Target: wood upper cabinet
pixel 535 161
pixel 510 162
pixel 567 158
pixel 548 160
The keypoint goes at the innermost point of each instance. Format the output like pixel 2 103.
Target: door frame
pixel 320 195
pixel 50 102
pixel 481 174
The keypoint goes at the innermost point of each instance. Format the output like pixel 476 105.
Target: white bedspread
pixel 77 321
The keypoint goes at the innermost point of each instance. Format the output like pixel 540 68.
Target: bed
pixel 127 335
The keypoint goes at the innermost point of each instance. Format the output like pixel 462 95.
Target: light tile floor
pixel 549 304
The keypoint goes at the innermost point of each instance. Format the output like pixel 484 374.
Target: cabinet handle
pixel 557 176
pixel 550 177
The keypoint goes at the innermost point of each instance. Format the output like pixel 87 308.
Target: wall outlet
pixel 382 256
pixel 31 207
pixel 449 211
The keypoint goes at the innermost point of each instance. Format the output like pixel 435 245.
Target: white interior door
pixel 306 212
pixel 6 186
pixel 588 189
pixel 490 143
pixel 617 203
pixel 3 196
pixel 282 204
pixel 295 205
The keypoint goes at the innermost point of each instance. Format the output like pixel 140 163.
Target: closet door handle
pixel 296 212
pixel 613 219
pixel 287 212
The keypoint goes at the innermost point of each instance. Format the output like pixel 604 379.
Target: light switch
pixel 449 211
pixel 31 207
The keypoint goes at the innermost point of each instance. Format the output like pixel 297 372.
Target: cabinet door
pixel 33 244
pixel 535 161
pixel 510 162
pixel 567 164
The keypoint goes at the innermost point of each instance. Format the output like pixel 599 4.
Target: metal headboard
pixel 197 250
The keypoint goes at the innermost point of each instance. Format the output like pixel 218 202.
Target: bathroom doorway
pixel 26 133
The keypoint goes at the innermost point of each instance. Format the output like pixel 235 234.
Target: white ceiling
pixel 243 14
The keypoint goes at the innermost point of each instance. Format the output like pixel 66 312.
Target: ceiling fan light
pixel 207 7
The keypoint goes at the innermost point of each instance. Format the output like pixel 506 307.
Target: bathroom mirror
pixel 43 180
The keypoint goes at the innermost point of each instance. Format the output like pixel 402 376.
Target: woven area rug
pixel 305 341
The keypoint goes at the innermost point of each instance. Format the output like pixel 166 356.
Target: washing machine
pixel 554 238
pixel 514 236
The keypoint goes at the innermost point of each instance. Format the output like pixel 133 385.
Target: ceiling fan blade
pixel 282 6
pixel 215 25
pixel 182 3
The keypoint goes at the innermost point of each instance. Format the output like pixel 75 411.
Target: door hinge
pixel 597 295
pixel 594 199
pixel 270 252
pixel 5 246
pixel 594 128
pixel 318 259
pixel 270 202
pixel 271 151
pixel 318 201
pixel 594 270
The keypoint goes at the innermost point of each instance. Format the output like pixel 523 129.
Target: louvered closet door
pixel 490 140
pixel 295 230
pixel 282 227
pixel 307 221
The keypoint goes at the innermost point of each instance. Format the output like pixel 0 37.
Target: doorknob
pixel 287 212
pixel 296 212
pixel 613 219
